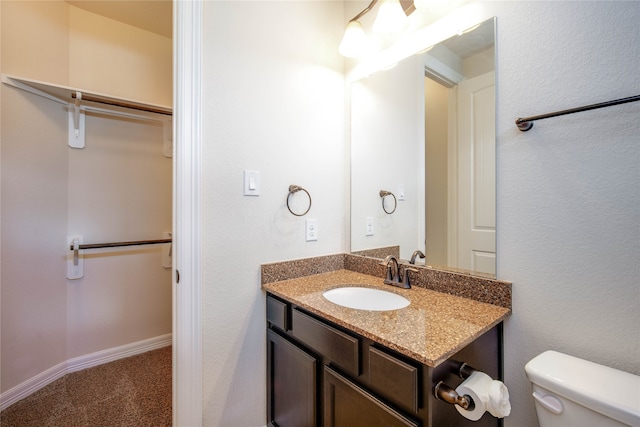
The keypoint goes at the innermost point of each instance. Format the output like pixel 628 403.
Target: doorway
pixel 52 324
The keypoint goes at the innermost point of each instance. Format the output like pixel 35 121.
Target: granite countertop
pixel 431 329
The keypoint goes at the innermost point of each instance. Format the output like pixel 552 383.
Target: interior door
pixel 476 174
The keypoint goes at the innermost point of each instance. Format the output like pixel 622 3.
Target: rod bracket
pixel 75 263
pixel 524 125
pixel 76 122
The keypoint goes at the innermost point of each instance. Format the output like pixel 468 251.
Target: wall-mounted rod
pixel 444 392
pixel 118 244
pixel 524 124
pixel 124 104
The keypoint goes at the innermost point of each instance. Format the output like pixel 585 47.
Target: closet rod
pixel 524 124
pixel 118 244
pixel 118 103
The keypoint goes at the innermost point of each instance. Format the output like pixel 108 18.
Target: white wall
pixel 117 188
pixel 34 178
pixel 118 59
pixel 387 139
pixel 568 190
pixel 273 102
pixel 34 181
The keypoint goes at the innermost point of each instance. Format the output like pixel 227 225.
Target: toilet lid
pixel 609 391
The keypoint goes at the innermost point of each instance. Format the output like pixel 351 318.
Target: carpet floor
pixel 130 392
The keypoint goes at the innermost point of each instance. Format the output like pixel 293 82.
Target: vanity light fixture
pixel 391 19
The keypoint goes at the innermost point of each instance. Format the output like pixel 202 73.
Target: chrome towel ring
pixel 385 193
pixel 292 190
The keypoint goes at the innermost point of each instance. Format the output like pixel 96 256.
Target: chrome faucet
pixel 417 253
pixel 395 276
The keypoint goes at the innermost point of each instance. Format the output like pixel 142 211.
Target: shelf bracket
pixel 76 123
pixel 75 262
pixel 167 129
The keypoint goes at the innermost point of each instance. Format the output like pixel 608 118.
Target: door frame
pixel 186 278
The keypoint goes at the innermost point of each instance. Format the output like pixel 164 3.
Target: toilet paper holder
pixel 445 392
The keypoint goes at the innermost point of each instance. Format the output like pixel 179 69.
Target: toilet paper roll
pixel 487 394
pixel 498 405
pixel 477 387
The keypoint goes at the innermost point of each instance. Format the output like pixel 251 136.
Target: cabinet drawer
pixel 394 379
pixel 277 313
pixel 340 348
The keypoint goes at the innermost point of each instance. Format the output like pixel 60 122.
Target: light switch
pixel 400 191
pixel 251 183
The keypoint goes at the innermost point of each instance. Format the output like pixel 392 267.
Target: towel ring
pixel 385 193
pixel 294 189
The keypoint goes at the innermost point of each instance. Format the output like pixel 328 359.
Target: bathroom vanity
pixel 330 365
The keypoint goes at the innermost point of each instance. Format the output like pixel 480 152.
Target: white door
pixel 476 179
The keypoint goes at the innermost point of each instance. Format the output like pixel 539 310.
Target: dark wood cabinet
pixel 347 405
pixel 321 374
pixel 292 383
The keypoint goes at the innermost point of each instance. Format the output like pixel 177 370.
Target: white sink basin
pixel 366 298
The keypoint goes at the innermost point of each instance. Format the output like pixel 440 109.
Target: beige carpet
pixel 135 391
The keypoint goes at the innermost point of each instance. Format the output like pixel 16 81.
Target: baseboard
pixel 37 382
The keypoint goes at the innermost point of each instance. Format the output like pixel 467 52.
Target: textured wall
pixel 273 102
pixel 568 190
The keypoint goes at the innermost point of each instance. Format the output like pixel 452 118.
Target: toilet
pixel 572 392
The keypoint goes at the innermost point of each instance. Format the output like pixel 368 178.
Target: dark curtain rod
pixel 118 103
pixel 524 124
pixel 118 244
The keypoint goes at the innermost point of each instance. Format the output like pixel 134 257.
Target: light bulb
pixel 391 18
pixel 354 42
pixel 421 4
pixel 432 5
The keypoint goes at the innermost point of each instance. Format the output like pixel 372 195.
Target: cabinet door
pixel 291 383
pixel 348 405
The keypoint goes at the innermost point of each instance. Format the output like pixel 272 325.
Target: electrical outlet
pixel 369 226
pixel 312 230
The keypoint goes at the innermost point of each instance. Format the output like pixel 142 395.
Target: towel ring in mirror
pixel 384 194
pixel 292 190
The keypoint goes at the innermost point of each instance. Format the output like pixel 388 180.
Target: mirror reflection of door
pixel 476 237
pixel 460 152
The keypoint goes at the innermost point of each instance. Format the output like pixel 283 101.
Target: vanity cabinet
pixel 322 374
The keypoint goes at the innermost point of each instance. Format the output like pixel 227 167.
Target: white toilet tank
pixel 572 392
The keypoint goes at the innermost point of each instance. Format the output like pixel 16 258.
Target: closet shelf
pixel 78 101
pixel 67 95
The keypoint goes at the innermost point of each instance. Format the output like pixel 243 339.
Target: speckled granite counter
pixel 432 328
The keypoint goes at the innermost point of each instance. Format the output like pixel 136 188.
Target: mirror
pixel 424 130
